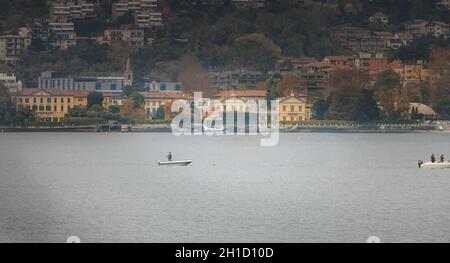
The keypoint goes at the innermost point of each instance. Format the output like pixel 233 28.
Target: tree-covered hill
pixel 216 33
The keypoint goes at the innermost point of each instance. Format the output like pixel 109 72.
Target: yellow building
pixel 294 108
pixel 239 100
pixel 156 99
pixel 51 104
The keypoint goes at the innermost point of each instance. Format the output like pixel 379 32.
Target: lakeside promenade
pixel 302 128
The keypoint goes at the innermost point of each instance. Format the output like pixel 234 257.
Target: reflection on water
pixel 310 188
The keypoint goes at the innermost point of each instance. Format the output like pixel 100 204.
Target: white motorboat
pixel 175 163
pixel 430 165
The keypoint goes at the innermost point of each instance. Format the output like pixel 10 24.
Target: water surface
pixel 309 188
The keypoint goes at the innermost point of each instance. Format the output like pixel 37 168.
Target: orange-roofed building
pixel 51 105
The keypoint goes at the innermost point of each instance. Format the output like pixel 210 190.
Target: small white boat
pixel 430 165
pixel 175 163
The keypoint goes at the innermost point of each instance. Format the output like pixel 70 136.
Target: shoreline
pixel 166 129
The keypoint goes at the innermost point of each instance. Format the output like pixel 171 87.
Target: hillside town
pixel 85 62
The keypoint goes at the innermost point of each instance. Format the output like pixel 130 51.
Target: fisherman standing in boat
pixel 169 156
pixel 442 158
pixel 433 158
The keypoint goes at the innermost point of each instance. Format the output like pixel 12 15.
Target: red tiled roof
pixel 377 64
pixel 113 95
pixel 242 93
pixel 341 58
pixel 383 34
pixel 441 23
pixel 405 36
pixel 166 95
pixel 379 14
pixel 396 64
pixel 317 65
pixel 55 92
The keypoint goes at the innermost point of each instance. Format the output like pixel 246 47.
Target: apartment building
pixel 236 79
pixel 52 34
pixel 145 12
pixel 133 37
pixel 340 62
pixel 62 35
pixel 66 11
pixel 315 77
pixel 11 47
pixel 9 80
pixel 288 65
pixel 162 86
pixel 73 82
pixel 362 40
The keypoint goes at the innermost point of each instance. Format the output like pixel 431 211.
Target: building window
pixel 163 86
pixel 49 100
pixel 48 108
pixel 284 107
pixel 27 100
pixel 35 107
pixel 300 108
pixel 34 100
pixel 113 86
pixel 55 100
pixel 177 87
pixel 68 100
pixel 42 100
pixel 98 86
pixel 292 108
pixel 41 107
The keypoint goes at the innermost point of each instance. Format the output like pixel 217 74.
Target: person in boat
pixel 433 158
pixel 169 156
pixel 442 158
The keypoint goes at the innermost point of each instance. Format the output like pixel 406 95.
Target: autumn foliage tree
pixel 132 110
pixel 255 51
pixel 349 97
pixel 440 86
pixel 289 83
pixel 193 76
pixel 392 98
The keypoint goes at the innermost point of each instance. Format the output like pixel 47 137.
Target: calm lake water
pixel 309 188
